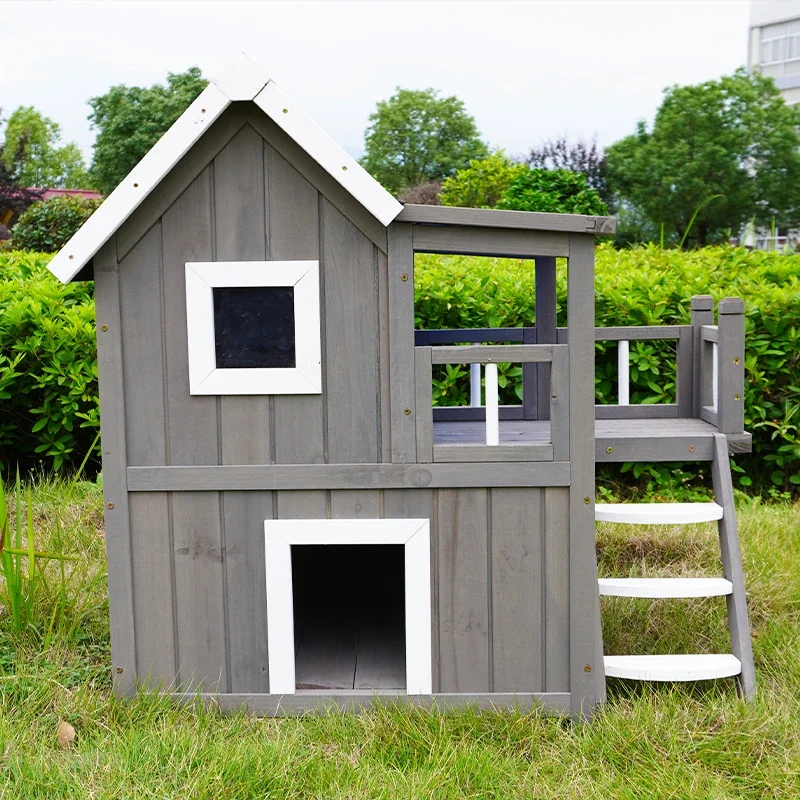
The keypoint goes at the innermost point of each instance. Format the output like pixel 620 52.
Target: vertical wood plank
pixel 192 439
pixel 186 232
pixel 556 594
pixel 240 235
pixel 244 515
pixel 200 612
pixel 559 404
pixel 463 590
pixel 112 427
pixel 420 504
pixel 401 341
pixel 239 225
pixel 351 341
pixel 730 396
pixel 702 314
pixel 153 589
pixel 587 678
pixel 516 566
pixel 293 223
pixel 423 409
pixel 684 368
pixel 546 331
pixel 304 504
pixel 142 354
pixel 384 375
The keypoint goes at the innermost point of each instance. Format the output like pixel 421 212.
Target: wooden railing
pixel 556 356
pixel 709 363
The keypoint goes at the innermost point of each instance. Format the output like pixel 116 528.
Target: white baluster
pixel 492 407
pixel 623 373
pixel 714 374
pixel 475 385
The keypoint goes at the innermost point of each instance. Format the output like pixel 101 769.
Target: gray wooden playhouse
pixel 288 519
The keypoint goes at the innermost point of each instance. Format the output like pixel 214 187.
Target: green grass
pixel 696 741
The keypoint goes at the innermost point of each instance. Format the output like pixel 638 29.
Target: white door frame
pixel 414 534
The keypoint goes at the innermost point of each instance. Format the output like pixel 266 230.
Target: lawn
pixel 697 741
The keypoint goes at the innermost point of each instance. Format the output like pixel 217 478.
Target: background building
pixel 774 43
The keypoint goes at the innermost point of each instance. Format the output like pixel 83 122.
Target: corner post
pixel 730 374
pixel 587 684
pixel 702 314
pixel 115 462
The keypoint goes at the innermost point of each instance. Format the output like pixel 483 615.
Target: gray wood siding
pixel 500 583
pixel 250 203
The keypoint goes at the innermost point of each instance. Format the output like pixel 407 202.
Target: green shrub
pixel 558 191
pixel 48 225
pixel 648 286
pixel 48 365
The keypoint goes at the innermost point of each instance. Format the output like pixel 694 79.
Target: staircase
pixel 689 667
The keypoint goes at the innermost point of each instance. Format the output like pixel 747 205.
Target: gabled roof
pixel 244 81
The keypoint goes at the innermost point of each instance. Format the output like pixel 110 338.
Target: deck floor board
pixel 658 436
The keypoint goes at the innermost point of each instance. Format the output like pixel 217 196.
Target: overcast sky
pixel 527 71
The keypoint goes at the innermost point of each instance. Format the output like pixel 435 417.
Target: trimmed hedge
pixel 48 365
pixel 48 371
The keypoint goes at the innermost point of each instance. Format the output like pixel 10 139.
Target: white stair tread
pixel 692 667
pixel 657 513
pixel 665 587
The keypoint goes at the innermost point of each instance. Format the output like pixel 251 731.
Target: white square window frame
pixel 202 277
pixel 414 534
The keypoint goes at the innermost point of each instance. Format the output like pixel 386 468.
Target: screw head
pixel 737 361
pixel 407 412
pixel 691 448
pixel 609 449
pixel 587 500
pixel 344 167
pixel 202 111
pixel 109 505
pixel 104 327
pixel 135 185
pixel 587 668
pixel 71 256
pixel 119 670
pixel 737 397
pixel 404 277
pixel 285 110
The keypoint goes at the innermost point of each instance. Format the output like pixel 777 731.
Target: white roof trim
pixel 345 169
pixel 245 80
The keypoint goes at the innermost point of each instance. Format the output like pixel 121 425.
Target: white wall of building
pixel 774 43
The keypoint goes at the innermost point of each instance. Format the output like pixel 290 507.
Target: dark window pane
pixel 254 326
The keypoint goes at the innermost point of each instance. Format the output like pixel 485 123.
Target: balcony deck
pixel 658 439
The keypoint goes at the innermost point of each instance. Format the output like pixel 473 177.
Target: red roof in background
pixel 86 194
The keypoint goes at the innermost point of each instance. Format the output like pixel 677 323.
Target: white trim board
pixel 245 81
pixel 204 376
pixel 414 534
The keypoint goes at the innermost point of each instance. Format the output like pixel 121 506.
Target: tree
pixel 33 155
pixel 727 150
pixel 580 156
pixel 130 119
pixel 482 183
pixel 416 136
pixel 557 191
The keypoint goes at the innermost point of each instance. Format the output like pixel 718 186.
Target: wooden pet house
pixel 288 519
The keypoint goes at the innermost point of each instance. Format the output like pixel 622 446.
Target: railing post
pixel 475 385
pixel 702 314
pixel 546 333
pixel 623 373
pixel 492 405
pixel 730 387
